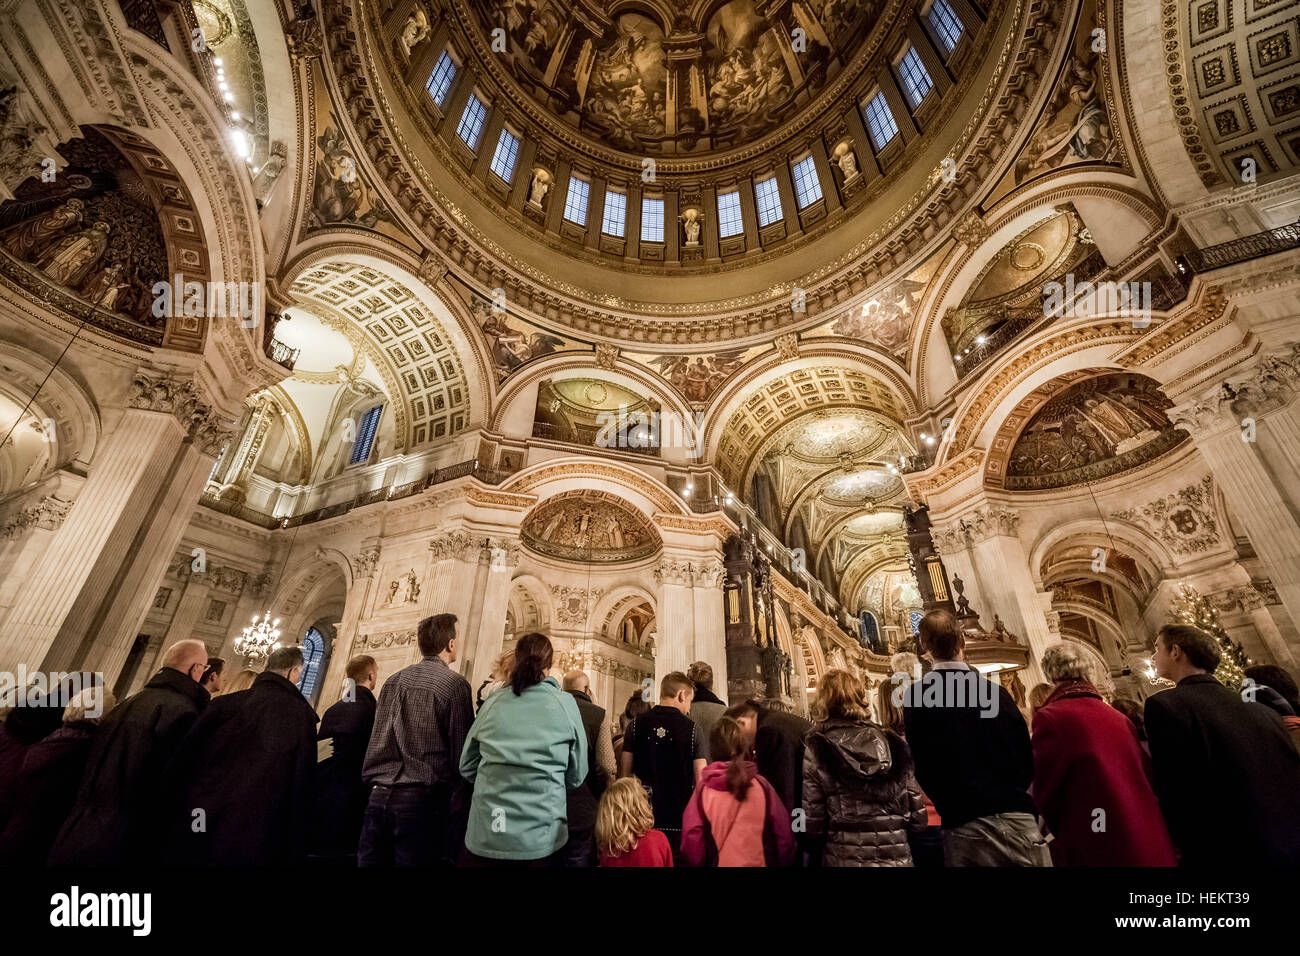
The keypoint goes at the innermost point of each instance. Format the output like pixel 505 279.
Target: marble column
pixel 94 582
pixel 459 573
pixel 675 623
pixel 987 542
pixel 502 559
pixel 364 566
pixel 1258 475
pixel 710 625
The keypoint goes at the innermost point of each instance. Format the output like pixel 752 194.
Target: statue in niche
pixel 269 173
pixel 392 591
pixel 846 160
pixel 412 587
pixel 538 188
pixel 691 220
pixel 415 31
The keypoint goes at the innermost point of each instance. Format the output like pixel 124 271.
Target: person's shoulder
pixel 656 840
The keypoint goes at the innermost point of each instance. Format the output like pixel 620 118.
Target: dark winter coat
pixel 45 790
pixel 23 727
pixel 1226 774
pixel 340 793
pixel 778 749
pixel 860 795
pixel 582 800
pixel 247 764
pixel 115 819
pixel 1087 759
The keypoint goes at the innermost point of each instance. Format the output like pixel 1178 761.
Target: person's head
pixel 211 680
pixel 701 675
pixel 623 817
pixel 241 681
pixel 504 665
pixel 91 704
pixel 727 744
pixel 746 716
pixel 1066 662
pixel 1132 709
pixel 905 662
pixel 676 690
pixel 636 706
pixel 841 696
pixel 941 636
pixel 1270 675
pixel 436 637
pixel 891 717
pixel 533 656
pixel 189 656
pixel 1038 696
pixel 576 682
pixel 363 671
pixel 285 661
pixel 1183 650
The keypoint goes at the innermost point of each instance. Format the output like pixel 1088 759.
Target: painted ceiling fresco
pixel 93 230
pixel 698 377
pixel 1075 127
pixel 1092 430
pixel 590 527
pixel 733 75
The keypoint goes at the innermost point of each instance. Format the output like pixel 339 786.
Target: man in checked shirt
pixel 416 813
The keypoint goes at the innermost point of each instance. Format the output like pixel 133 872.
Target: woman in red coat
pixel 1089 778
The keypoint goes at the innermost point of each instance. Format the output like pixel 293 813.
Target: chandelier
pixel 258 638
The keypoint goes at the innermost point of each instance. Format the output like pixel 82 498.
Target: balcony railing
pixel 995 342
pixel 142 16
pixel 274 349
pixel 1241 249
pixel 490 476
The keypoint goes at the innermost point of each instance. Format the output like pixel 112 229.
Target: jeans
pixel 405 826
pixel 580 851
pixel 1001 839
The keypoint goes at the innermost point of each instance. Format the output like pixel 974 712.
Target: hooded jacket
pixel 719 830
pixel 860 794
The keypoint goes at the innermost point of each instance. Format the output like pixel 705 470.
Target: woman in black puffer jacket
pixel 860 794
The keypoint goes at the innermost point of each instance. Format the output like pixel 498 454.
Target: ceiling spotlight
pixel 928 440
pixel 979 340
pixel 216 60
pixel 924 435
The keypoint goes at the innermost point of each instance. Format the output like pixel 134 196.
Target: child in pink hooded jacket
pixel 735 817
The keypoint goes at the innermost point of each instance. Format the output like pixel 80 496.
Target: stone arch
pixel 895 397
pixel 62 397
pixel 530 607
pixel 439 300
pixel 514 402
pixel 647 494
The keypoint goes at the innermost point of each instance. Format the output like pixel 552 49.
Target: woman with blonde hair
pixel 625 833
pixel 499 677
pixel 860 795
pixel 241 681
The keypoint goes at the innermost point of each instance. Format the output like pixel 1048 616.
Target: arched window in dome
pixel 442 77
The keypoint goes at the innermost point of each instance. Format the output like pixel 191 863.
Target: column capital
pixel 1266 382
pixel 990 521
pixel 675 571
pixel 366 561
pixel 710 574
pixel 206 426
pixel 454 545
pixel 47 514
pixel 501 554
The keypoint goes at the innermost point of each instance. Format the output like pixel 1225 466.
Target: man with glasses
pixel 115 820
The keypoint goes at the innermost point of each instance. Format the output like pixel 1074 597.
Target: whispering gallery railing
pixel 1266 243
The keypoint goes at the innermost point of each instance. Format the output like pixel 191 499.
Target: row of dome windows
pixel 882 128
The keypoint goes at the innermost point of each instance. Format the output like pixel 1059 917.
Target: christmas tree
pixel 1191 607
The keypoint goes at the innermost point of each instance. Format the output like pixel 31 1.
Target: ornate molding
pixel 1270 383
pixel 379 642
pixel 674 571
pixel 366 561
pixel 455 546
pixel 47 515
pixel 1184 521
pixel 923 484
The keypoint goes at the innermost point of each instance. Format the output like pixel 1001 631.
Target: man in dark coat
pixel 777 737
pixel 340 793
pixel 583 799
pixel 115 819
pixel 973 756
pixel 1225 771
pixel 239 791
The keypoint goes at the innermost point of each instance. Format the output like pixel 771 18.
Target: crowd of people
pixel 939 767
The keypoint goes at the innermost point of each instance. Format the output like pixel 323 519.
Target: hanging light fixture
pixel 258 638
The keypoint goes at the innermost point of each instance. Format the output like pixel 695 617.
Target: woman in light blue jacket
pixel 526 747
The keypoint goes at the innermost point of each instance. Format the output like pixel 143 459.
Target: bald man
pixel 581 848
pixel 115 820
